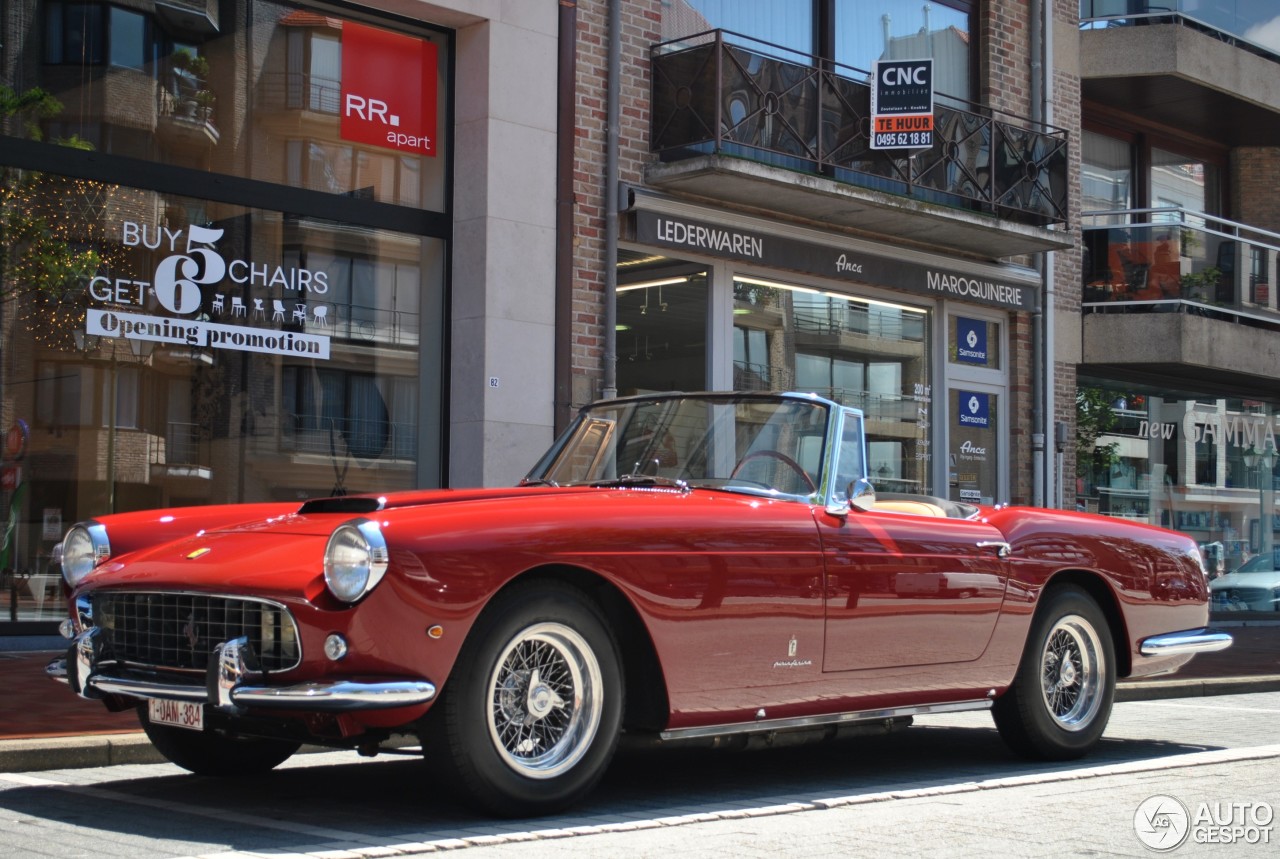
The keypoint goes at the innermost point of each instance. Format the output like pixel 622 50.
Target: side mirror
pixel 861 495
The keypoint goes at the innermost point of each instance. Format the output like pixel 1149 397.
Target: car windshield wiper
pixel 642 480
pixel 538 481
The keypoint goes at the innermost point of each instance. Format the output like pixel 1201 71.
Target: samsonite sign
pixel 388 89
pixel 902 104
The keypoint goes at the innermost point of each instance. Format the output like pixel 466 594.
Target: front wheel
pixel 532 711
pixel 1060 700
pixel 205 753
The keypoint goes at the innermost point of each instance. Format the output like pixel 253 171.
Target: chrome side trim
pixel 340 696
pixel 831 719
pixel 1188 641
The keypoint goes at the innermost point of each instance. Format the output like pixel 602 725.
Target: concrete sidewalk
pixel 43 726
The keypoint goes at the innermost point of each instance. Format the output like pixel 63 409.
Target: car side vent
pixel 343 504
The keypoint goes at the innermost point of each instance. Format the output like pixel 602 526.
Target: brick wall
pixel 1004 39
pixel 1254 178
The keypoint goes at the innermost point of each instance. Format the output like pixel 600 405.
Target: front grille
pixel 178 631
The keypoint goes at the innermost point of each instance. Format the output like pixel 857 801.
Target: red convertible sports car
pixel 685 567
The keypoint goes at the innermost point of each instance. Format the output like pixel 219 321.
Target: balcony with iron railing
pixel 741 120
pixel 1178 287
pixel 1239 24
pixel 1204 68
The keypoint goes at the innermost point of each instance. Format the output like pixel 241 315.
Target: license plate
pixel 179 714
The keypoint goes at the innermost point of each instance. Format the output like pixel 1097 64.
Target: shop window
pixel 662 330
pixel 366 299
pixel 338 411
pixel 65 396
pixel 864 353
pixel 339 168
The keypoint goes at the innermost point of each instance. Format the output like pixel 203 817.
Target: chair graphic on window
pixel 320 313
pixel 237 306
pixel 259 312
pixel 217 303
pixel 277 307
pixel 300 313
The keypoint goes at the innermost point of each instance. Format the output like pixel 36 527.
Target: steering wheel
pixel 780 457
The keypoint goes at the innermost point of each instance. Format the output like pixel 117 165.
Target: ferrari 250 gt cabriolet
pixel 679 567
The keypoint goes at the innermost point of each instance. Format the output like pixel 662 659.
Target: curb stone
pixel 105 750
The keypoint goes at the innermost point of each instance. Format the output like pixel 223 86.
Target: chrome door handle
pixel 1002 548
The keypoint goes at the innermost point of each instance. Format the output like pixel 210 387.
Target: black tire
pixel 1060 700
pixel 205 753
pixel 519 741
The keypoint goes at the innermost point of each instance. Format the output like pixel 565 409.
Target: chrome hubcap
pixel 545 700
pixel 1072 672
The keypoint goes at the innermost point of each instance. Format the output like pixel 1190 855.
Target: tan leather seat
pixel 916 508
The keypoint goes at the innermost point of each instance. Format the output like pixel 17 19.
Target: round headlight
pixel 355 559
pixel 84 548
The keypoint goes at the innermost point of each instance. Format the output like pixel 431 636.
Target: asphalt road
pixel 945 787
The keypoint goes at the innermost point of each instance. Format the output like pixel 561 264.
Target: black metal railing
pixel 714 94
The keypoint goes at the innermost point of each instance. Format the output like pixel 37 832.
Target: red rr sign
pixel 388 89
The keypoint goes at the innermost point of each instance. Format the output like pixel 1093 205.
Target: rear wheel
pixel 531 714
pixel 1060 700
pixel 207 753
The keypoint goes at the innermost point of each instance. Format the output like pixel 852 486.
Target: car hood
pixel 276 560
pixel 1258 579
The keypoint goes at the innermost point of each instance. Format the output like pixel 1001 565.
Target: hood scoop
pixel 344 504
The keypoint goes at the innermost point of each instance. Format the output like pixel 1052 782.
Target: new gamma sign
pixel 902 104
pixel 388 89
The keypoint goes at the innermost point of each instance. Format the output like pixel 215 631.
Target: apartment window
pixel 74 33
pixel 315 70
pixel 130 42
pixel 1106 173
pixel 870 30
pixel 340 168
pixel 786 23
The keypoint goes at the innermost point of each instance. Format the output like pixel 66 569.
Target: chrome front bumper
pixel 231 685
pixel 1188 641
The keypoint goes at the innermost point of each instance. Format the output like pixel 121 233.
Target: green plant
pixel 1094 419
pixel 205 98
pixel 1201 284
pixel 185 60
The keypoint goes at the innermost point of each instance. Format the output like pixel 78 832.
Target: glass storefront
pixel 1203 465
pixel 870 354
pixel 218 326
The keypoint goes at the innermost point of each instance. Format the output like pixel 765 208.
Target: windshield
pixel 750 443
pixel 1262 563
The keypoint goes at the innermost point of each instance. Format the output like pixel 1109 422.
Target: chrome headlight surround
pixel 355 559
pixel 83 549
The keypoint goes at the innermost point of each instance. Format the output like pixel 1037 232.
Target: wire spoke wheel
pixel 1060 700
pixel 545 700
pixel 1071 671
